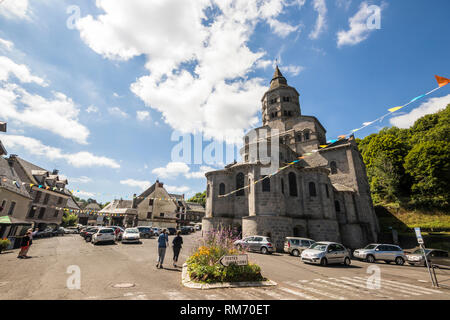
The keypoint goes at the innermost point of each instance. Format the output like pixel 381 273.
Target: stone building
pixel 120 213
pixel 156 207
pixel 325 196
pixel 47 190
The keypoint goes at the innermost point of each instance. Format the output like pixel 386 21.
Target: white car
pixel 104 235
pixel 131 235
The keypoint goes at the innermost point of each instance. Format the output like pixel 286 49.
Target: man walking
pixel 163 242
pixel 176 245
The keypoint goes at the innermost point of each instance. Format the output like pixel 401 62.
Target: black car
pixel 44 233
pixel 185 230
pixel 89 233
pixel 172 231
pixel 58 232
pixel 145 232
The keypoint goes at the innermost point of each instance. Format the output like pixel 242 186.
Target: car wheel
pixel 324 262
pixel 399 261
pixel 295 253
pixel 88 239
pixel 370 258
pixel 264 250
pixel 347 261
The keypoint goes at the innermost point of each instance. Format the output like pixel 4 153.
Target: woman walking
pixel 163 242
pixel 177 242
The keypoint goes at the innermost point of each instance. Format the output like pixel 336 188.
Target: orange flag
pixel 442 81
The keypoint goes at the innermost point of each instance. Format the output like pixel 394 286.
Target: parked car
pixel 89 233
pixel 198 227
pixel 294 245
pixel 85 231
pixel 185 230
pixel 191 229
pixel 120 234
pixel 71 230
pixel 386 252
pixel 172 231
pixel 104 235
pixel 145 232
pixel 325 253
pixel 157 231
pixel 59 231
pixel 131 235
pixel 47 232
pixel 435 256
pixel 256 243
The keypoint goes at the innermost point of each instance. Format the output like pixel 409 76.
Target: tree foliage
pixel 411 166
pixel 199 197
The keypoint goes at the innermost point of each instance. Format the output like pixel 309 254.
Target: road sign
pixel 418 235
pixel 240 260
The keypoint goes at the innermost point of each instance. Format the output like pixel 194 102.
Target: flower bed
pixel 203 264
pixel 4 244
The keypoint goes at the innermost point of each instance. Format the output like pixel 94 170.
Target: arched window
pixel 240 181
pixel 282 186
pixel 298 137
pixel 337 206
pixel 312 189
pixel 293 185
pixel 221 189
pixel 307 135
pixel 333 167
pixel 266 184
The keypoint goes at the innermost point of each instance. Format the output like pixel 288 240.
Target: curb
pixel 187 282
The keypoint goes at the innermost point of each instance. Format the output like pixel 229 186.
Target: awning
pixel 12 220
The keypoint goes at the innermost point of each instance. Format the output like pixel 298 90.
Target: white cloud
pixel 6 43
pixel 199 174
pixel 136 183
pixel 281 29
pixel 292 70
pixel 9 67
pixel 216 97
pixel 142 115
pixel 58 115
pixel 81 193
pixel 182 189
pixel 358 31
pixel 14 9
pixel 433 105
pixel 343 4
pixel 321 22
pixel 37 148
pixel 172 170
pixel 92 109
pixel 82 179
pixel 116 111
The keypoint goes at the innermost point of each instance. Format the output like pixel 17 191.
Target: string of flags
pixel 441 83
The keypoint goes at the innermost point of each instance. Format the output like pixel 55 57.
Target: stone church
pixel 325 196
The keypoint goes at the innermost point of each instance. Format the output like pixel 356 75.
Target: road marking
pixel 300 294
pixel 325 286
pixel 398 286
pixel 275 295
pixel 175 295
pixel 413 286
pixel 364 287
pixel 326 294
pixel 385 286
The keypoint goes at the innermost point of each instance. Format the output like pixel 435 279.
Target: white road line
pixel 318 283
pixel 387 286
pixel 398 286
pixel 364 287
pixel 313 290
pixel 275 295
pixel 216 296
pixel 175 295
pixel 413 286
pixel 299 294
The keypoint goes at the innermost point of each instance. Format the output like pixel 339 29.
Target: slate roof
pixel 194 206
pixel 119 206
pixel 341 187
pixel 6 171
pixel 145 194
pixel 72 204
pixel 93 206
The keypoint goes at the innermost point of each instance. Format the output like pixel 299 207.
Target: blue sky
pixel 99 95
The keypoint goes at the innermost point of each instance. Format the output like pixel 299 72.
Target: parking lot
pixel 128 271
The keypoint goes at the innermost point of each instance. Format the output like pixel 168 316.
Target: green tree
pixel 69 220
pixel 199 197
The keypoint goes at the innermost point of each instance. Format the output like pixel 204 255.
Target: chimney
pixel 134 202
pixel 55 172
pixel 2 126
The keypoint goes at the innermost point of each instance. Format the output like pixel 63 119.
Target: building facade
pixel 325 196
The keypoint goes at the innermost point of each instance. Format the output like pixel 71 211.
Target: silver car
pixel 434 256
pixel 294 246
pixel 256 243
pixel 386 252
pixel 325 253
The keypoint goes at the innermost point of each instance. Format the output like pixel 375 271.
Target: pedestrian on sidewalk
pixel 177 242
pixel 25 244
pixel 163 243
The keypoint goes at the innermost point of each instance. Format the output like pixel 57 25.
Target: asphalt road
pixel 128 271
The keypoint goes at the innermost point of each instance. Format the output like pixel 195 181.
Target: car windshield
pixel 319 246
pixel 371 246
pixel 132 231
pixel 420 251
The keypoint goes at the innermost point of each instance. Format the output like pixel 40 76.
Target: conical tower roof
pixel 278 79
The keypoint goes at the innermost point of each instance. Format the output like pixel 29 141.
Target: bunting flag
pixel 442 81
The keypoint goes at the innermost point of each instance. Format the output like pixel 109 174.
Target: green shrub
pixel 4 243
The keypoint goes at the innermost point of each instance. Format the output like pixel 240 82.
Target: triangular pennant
pixel 394 109
pixel 442 81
